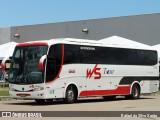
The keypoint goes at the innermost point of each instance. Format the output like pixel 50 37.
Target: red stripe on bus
pixel 119 91
pixel 61 65
pixel 32 44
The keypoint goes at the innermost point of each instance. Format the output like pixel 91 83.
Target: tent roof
pixel 7 49
pixel 119 41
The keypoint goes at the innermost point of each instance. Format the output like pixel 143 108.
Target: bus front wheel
pixel 70 96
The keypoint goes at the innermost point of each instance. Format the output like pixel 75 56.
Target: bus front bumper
pixel 27 95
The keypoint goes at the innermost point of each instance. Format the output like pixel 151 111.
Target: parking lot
pixel 145 103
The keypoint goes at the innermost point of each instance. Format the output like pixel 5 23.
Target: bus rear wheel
pixel 135 93
pixel 70 96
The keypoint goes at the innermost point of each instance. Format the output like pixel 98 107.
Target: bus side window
pixel 72 54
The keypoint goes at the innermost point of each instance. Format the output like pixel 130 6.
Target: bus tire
pixel 135 93
pixel 71 95
pixel 40 101
pixel 109 97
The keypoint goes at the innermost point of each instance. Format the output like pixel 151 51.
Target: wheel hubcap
pixel 70 95
pixel 135 92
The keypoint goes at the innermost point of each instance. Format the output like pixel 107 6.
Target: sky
pixel 29 12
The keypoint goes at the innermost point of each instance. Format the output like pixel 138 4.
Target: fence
pixel 4 91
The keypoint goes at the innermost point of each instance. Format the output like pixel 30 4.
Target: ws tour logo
pixel 95 71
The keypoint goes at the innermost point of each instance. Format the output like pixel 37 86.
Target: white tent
pixel 116 40
pixel 157 47
pixel 7 49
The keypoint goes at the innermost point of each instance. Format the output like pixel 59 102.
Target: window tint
pixel 54 60
pixel 80 54
pixel 119 56
pixel 71 54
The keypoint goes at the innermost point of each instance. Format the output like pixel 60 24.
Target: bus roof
pixel 113 41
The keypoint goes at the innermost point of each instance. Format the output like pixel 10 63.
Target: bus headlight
pixel 38 89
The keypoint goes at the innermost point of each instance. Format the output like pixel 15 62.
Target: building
pixel 140 28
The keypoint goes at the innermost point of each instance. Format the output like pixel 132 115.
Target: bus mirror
pixel 5 63
pixel 41 62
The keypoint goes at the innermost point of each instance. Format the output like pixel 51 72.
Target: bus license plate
pixel 23 95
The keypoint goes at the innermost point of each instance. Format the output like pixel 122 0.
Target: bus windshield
pixel 24 65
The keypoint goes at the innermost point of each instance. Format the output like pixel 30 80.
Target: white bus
pixel 71 68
